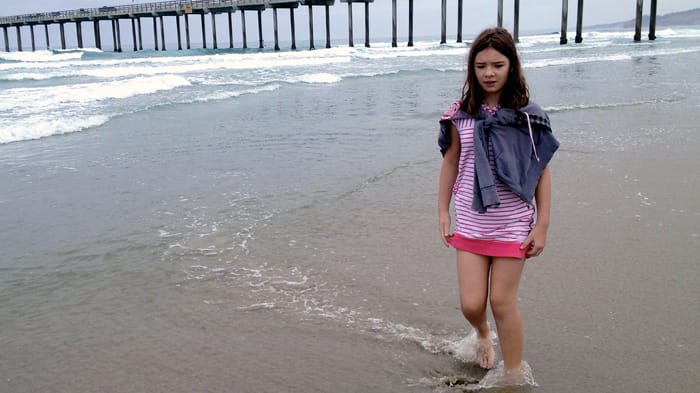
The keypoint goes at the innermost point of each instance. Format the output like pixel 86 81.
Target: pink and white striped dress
pixel 501 229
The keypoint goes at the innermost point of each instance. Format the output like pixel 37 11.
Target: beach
pixel 286 239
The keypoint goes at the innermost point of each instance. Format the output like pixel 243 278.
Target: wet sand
pixel 613 302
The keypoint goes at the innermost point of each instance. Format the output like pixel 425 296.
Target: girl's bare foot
pixel 499 376
pixel 485 355
pixel 514 376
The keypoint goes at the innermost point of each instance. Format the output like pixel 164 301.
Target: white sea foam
pixel 37 76
pixel 540 63
pixel 227 62
pixel 465 348
pixel 419 51
pixel 183 65
pixel 39 126
pixel 320 77
pixel 35 112
pixel 497 377
pixel 40 56
pixel 39 99
pixel 226 94
pixel 257 306
pixel 607 105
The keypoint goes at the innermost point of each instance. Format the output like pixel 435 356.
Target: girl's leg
pixel 505 279
pixel 473 275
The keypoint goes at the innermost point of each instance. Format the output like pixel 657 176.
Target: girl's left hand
pixel 535 241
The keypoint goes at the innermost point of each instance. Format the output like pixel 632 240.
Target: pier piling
pixel 260 34
pixel 499 17
pixel 443 24
pixel 291 22
pixel 230 30
pixel 579 22
pixel 350 43
pixel 311 27
pixel 177 27
pixel 393 24
pixel 564 18
pixel 138 26
pixel 638 21
pixel 243 32
pixel 155 34
pixel 459 20
pixel 114 36
pixel 187 31
pixel 31 31
pixel 79 33
pixel 516 21
pixel 213 30
pixel 410 22
pixel 63 35
pixel 652 21
pixel 19 40
pixel 98 39
pixel 133 35
pixel 274 22
pixel 7 40
pixel 162 33
pixel 46 32
pixel 204 31
pixel 328 27
pixel 366 24
pixel 119 35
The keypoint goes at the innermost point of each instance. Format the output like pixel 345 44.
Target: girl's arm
pixel 543 197
pixel 448 175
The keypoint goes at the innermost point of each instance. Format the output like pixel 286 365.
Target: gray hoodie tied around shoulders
pixel 522 143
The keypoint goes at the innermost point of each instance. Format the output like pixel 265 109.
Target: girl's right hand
pixel 444 228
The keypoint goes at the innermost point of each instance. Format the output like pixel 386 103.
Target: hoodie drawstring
pixel 532 139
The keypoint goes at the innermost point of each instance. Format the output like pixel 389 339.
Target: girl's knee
pixel 473 309
pixel 503 304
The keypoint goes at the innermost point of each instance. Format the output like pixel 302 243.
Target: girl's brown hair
pixel 515 93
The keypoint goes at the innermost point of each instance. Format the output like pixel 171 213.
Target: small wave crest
pixel 609 105
pixel 223 95
pixel 40 126
pixel 72 106
pixel 612 57
pixel 549 62
pixel 321 77
pixel 41 56
pixel 37 99
pixel 36 76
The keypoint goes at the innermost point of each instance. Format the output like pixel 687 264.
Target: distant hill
pixel 682 18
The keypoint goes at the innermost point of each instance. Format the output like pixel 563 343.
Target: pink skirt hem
pixel 490 248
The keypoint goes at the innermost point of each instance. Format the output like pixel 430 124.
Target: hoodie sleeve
pixel 452 113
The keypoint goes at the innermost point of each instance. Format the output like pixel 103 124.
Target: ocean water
pixel 254 221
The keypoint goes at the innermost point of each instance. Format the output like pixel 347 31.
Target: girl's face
pixel 492 70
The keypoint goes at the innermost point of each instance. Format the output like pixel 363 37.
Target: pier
pixel 116 17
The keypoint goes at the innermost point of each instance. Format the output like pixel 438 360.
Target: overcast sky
pixel 541 15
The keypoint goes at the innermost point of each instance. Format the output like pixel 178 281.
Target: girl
pixel 496 146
